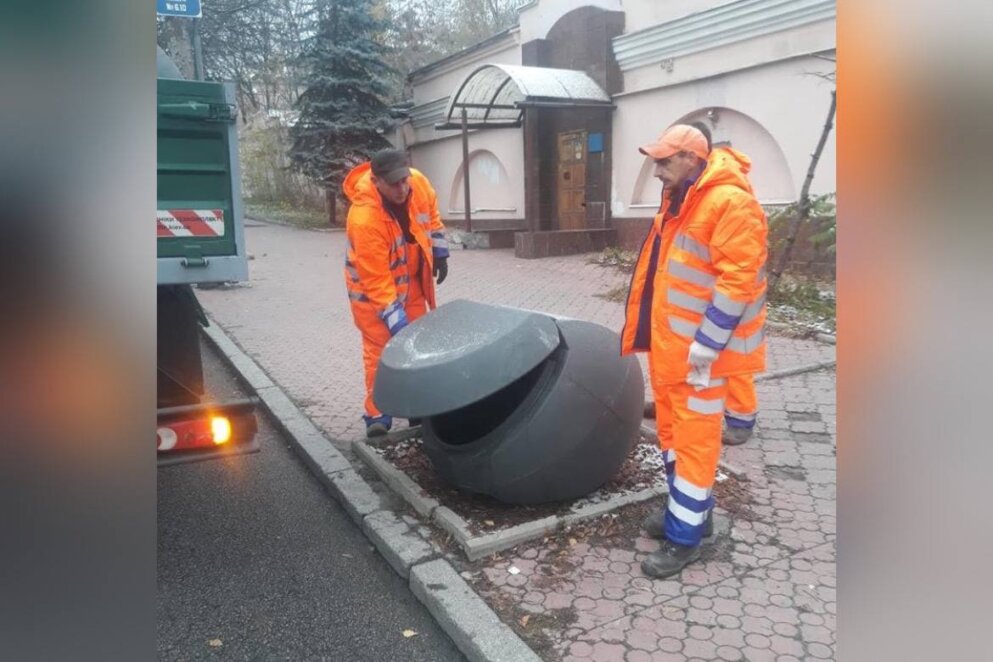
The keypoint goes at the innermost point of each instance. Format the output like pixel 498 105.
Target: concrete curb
pixel 477 631
pixel 400 546
pixel 820 336
pixel 478 546
pixel 799 370
pixel 398 481
pixel 463 615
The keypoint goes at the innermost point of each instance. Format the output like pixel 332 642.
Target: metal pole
pixel 197 51
pixel 465 169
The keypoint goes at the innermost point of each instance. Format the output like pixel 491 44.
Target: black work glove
pixel 440 269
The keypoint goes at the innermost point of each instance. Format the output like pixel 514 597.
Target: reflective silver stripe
pixel 706 407
pixel 357 296
pixel 691 490
pixel 687 301
pixel 398 243
pixel 669 456
pixel 353 273
pixel 740 416
pixel 400 280
pixel 393 318
pixel 753 309
pixel 728 306
pixel 682 327
pixel 390 309
pixel 691 245
pixel 685 514
pixel 714 332
pixel 719 381
pixel 439 243
pixel 424 219
pixel 748 344
pixel 688 273
pixel 761 275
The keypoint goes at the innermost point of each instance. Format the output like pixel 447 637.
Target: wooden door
pixel 572 180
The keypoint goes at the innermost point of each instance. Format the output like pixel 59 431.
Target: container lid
pixel 459 354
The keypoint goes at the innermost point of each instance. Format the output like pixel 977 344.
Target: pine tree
pixel 342 111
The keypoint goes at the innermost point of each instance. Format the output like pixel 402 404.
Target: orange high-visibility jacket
pixel 376 271
pixel 701 276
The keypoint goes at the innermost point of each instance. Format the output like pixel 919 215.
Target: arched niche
pixel 491 188
pixel 770 173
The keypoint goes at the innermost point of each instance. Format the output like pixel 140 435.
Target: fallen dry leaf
pixel 408 634
pixel 572 542
pixel 215 643
pixel 489 522
pixel 524 619
pixel 514 570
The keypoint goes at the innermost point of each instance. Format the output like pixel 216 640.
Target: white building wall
pixel 643 13
pixel 500 192
pixel 441 82
pixel 537 18
pixel 754 64
pixel 787 107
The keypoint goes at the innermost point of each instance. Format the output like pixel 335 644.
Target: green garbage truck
pixel 200 239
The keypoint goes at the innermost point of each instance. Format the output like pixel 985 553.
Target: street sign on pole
pixel 183 8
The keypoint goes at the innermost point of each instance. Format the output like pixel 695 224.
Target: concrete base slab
pixel 469 240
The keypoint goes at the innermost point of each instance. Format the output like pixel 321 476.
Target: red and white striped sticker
pixel 189 222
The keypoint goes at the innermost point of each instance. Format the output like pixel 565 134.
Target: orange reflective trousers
pixel 742 405
pixel 375 333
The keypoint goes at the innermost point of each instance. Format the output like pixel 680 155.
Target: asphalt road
pixel 257 562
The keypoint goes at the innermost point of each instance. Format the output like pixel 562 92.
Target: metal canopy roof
pixel 495 95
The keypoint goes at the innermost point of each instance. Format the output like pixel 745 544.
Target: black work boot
pixel 736 436
pixel 376 429
pixel 413 422
pixel 669 559
pixel 654 524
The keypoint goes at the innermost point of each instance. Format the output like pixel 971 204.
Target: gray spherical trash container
pixel 516 405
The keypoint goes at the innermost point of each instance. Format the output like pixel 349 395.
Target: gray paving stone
pixel 399 545
pixel 354 494
pixel 448 520
pixel 477 547
pixel 471 624
pixel 398 481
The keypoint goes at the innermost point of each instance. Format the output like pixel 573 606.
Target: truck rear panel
pixel 199 224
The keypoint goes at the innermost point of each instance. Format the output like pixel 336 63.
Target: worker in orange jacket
pixel 741 406
pixel 697 306
pixel 396 247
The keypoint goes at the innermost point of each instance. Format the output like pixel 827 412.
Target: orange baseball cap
pixel 677 138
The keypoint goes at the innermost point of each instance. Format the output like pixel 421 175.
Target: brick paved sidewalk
pixel 766 592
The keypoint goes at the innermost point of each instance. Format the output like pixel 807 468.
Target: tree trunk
pixel 332 200
pixel 803 205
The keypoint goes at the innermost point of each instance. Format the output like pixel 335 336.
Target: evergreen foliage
pixel 342 109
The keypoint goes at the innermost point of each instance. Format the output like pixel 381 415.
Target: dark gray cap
pixel 390 165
